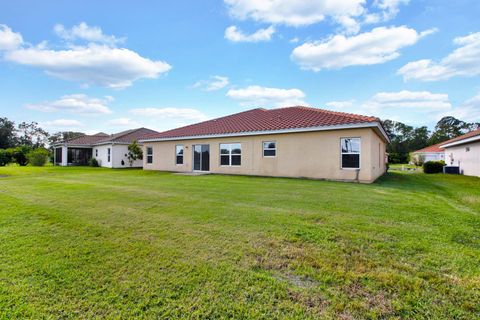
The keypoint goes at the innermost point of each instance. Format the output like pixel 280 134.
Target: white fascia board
pixel 374 125
pixel 459 142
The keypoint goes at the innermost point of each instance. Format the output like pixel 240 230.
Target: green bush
pixel 93 163
pixel 5 157
pixel 38 157
pixel 433 166
pixel 19 154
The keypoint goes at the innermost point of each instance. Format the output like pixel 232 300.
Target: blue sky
pixel 111 65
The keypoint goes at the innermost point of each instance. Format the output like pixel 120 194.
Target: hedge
pixel 433 166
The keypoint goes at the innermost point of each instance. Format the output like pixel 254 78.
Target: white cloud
pixel 214 83
pixel 123 122
pixel 340 105
pixel 75 103
pixel 235 35
pixel 463 61
pixel 468 111
pixel 388 10
pixel 188 114
pixel 263 96
pixel 377 46
pixel 62 123
pixel 9 40
pixel 85 32
pixel 405 100
pixel 92 64
pixel 412 107
pixel 293 13
pixel 350 14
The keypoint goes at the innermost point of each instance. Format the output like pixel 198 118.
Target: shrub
pixel 19 154
pixel 38 157
pixel 433 166
pixel 93 163
pixel 418 159
pixel 5 157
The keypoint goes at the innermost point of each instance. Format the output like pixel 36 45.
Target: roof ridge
pixel 327 111
pixel 461 137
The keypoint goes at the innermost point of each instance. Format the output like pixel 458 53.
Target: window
pixel 467 149
pixel 149 155
pixel 108 154
pixel 350 148
pixel 179 154
pixel 269 149
pixel 230 154
pixel 96 152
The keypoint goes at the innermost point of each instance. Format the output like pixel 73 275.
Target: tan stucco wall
pixel 307 154
pixel 469 162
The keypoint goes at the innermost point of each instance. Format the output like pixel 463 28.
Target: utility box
pixel 451 169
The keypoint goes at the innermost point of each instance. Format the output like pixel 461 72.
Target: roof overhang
pixel 374 125
pixel 459 142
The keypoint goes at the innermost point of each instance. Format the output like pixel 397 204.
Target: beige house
pixel 464 152
pixel 286 142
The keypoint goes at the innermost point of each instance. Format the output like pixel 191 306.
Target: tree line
pixel 18 142
pixel 28 142
pixel 406 139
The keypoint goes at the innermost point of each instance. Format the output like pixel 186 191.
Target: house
pixel 110 150
pixel 286 142
pixel 464 152
pixel 431 153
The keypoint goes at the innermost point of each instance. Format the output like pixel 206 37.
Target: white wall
pixel 434 156
pixel 102 157
pixel 468 161
pixel 119 152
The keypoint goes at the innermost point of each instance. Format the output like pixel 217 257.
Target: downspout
pixel 357 174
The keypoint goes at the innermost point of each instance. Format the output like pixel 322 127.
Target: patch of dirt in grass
pixel 4 175
pixel 471 199
pixel 295 280
pixel 315 303
pixel 379 301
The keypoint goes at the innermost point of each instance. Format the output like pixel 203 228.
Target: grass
pixel 102 243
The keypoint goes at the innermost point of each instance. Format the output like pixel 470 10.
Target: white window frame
pixel 109 154
pixel 230 154
pixel 180 155
pixel 359 153
pixel 269 149
pixel 149 155
pixel 96 152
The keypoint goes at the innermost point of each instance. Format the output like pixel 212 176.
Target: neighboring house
pixel 464 151
pixel 431 153
pixel 110 150
pixel 285 142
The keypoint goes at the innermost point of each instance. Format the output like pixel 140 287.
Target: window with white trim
pixel 149 155
pixel 230 154
pixel 269 148
pixel 96 152
pixel 109 153
pixel 350 148
pixel 179 154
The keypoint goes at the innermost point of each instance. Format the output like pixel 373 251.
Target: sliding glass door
pixel 201 157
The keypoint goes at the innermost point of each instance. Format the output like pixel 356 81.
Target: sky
pixel 109 66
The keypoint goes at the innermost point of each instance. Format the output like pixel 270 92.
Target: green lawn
pixel 101 243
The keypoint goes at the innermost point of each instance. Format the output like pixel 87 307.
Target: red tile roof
pixel 127 136
pixel 266 120
pixel 432 148
pixel 86 139
pixel 470 134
